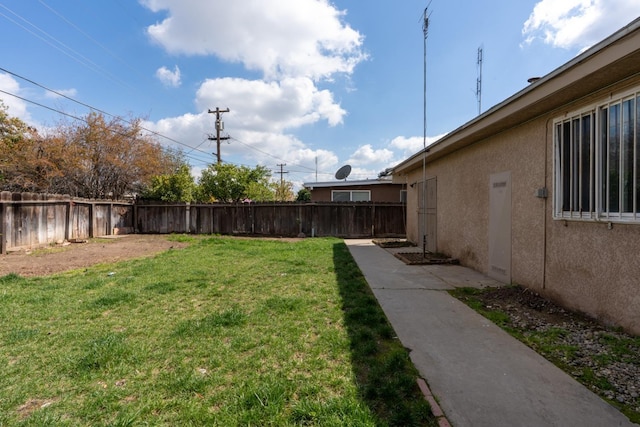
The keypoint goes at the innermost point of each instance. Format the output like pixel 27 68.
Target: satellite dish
pixel 343 172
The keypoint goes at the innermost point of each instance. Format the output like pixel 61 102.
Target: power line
pixel 87 106
pixel 88 36
pixel 73 54
pixel 143 128
pixel 80 118
pixel 275 157
pixel 67 49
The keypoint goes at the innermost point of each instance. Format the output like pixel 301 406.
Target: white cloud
pixel 293 44
pixel 169 78
pixel 287 38
pixel 270 106
pixel 66 92
pixel 412 145
pixel 366 156
pixel 252 146
pixel 577 24
pixel 16 107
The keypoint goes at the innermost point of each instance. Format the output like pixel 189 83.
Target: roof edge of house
pixel 538 84
pixel 347 183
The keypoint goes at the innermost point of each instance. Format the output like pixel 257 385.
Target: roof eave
pixel 538 98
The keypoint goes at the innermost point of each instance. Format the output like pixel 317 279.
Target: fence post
pixel 188 218
pixel 253 218
pixel 3 228
pixel 92 219
pixel 110 220
pixel 135 216
pixel 68 217
pixel 373 220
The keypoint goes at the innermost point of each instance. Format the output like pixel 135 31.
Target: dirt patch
pixel 33 405
pixel 525 304
pixel 393 243
pixel 418 258
pixel 58 258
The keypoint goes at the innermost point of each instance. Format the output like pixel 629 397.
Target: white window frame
pixel 571 134
pixel 622 163
pixel 367 192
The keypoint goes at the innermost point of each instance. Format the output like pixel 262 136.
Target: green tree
pixel 225 182
pixel 284 191
pixel 304 195
pixel 175 187
pixel 259 192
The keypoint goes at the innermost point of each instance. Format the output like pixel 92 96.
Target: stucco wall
pixel 586 266
pixel 594 269
pixel 463 200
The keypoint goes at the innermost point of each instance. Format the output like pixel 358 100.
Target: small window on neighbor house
pixel 341 196
pixel 350 196
pixel 403 196
pixel 360 196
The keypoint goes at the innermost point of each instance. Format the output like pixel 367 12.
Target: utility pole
pixel 282 172
pixel 219 127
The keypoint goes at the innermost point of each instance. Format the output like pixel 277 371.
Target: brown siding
pixel 380 193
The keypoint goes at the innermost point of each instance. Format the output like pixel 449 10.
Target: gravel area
pixel 604 359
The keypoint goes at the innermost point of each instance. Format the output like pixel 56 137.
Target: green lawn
pixel 226 332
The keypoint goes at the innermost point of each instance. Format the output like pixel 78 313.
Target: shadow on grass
pixel 386 377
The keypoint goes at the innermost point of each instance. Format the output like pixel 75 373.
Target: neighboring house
pixel 373 190
pixel 543 190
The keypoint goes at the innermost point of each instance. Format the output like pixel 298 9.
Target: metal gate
pixel 427 218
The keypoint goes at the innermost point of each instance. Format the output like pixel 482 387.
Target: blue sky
pixel 307 81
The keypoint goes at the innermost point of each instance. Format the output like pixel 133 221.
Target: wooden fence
pixel 348 220
pixel 30 220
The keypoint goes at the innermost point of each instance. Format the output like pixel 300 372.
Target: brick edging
pixel 435 408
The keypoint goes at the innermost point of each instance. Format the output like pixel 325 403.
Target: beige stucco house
pixel 543 190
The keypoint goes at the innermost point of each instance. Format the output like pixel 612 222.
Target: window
pixel 575 165
pixel 597 162
pixel 351 196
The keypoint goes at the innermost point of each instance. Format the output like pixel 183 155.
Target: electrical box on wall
pixel 542 193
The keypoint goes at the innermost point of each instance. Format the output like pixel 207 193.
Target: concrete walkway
pixel 479 374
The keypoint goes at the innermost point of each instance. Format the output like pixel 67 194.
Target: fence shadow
pixel 385 375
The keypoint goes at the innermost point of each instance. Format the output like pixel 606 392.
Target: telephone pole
pixel 282 172
pixel 219 127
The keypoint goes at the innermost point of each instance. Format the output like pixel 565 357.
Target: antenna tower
pixel 479 81
pixel 425 31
